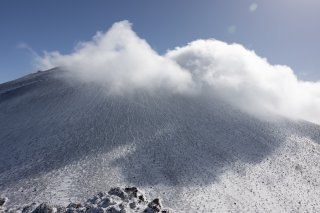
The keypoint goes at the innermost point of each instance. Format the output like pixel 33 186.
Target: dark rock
pixel 155 205
pixel 131 191
pixel 101 194
pixel 133 205
pixel 74 205
pixel 123 206
pixel 106 202
pixel 95 200
pixel 117 191
pixel 71 210
pixel 43 208
pixel 95 210
pixel 29 208
pixel 3 201
pixel 61 209
pixel 142 198
pixel 113 210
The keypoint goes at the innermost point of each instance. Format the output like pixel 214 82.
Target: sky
pixel 283 31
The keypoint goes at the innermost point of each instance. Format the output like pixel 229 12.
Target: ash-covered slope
pixel 62 140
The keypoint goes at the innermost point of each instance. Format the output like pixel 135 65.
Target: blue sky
pixel 284 31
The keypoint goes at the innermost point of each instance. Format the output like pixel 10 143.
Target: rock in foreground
pixel 116 200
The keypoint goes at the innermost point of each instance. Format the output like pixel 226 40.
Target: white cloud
pixel 249 81
pixel 123 62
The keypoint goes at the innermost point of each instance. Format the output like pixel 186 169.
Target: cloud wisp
pixel 123 62
pixel 253 7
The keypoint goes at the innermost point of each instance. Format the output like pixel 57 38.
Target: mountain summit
pixel 62 139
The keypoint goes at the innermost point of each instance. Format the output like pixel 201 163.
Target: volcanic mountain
pixel 62 140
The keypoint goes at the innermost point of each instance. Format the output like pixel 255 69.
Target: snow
pixel 62 140
pixel 116 200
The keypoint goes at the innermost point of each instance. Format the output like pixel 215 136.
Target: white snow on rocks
pixel 116 200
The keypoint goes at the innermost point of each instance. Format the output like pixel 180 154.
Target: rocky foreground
pixel 116 200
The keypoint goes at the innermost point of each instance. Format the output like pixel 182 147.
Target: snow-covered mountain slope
pixel 63 140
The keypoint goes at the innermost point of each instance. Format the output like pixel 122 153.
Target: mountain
pixel 63 140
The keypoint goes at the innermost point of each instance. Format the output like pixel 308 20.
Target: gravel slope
pixel 62 140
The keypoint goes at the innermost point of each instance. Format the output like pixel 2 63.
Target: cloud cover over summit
pixel 123 62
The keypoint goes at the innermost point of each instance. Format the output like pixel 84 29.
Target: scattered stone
pixel 133 205
pixel 131 191
pixel 142 198
pixel 108 201
pixel 74 205
pixel 3 201
pixel 43 208
pixel 29 208
pixel 95 210
pixel 95 200
pixel 71 210
pixel 113 209
pixel 117 200
pixel 61 209
pixel 154 206
pixel 117 191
